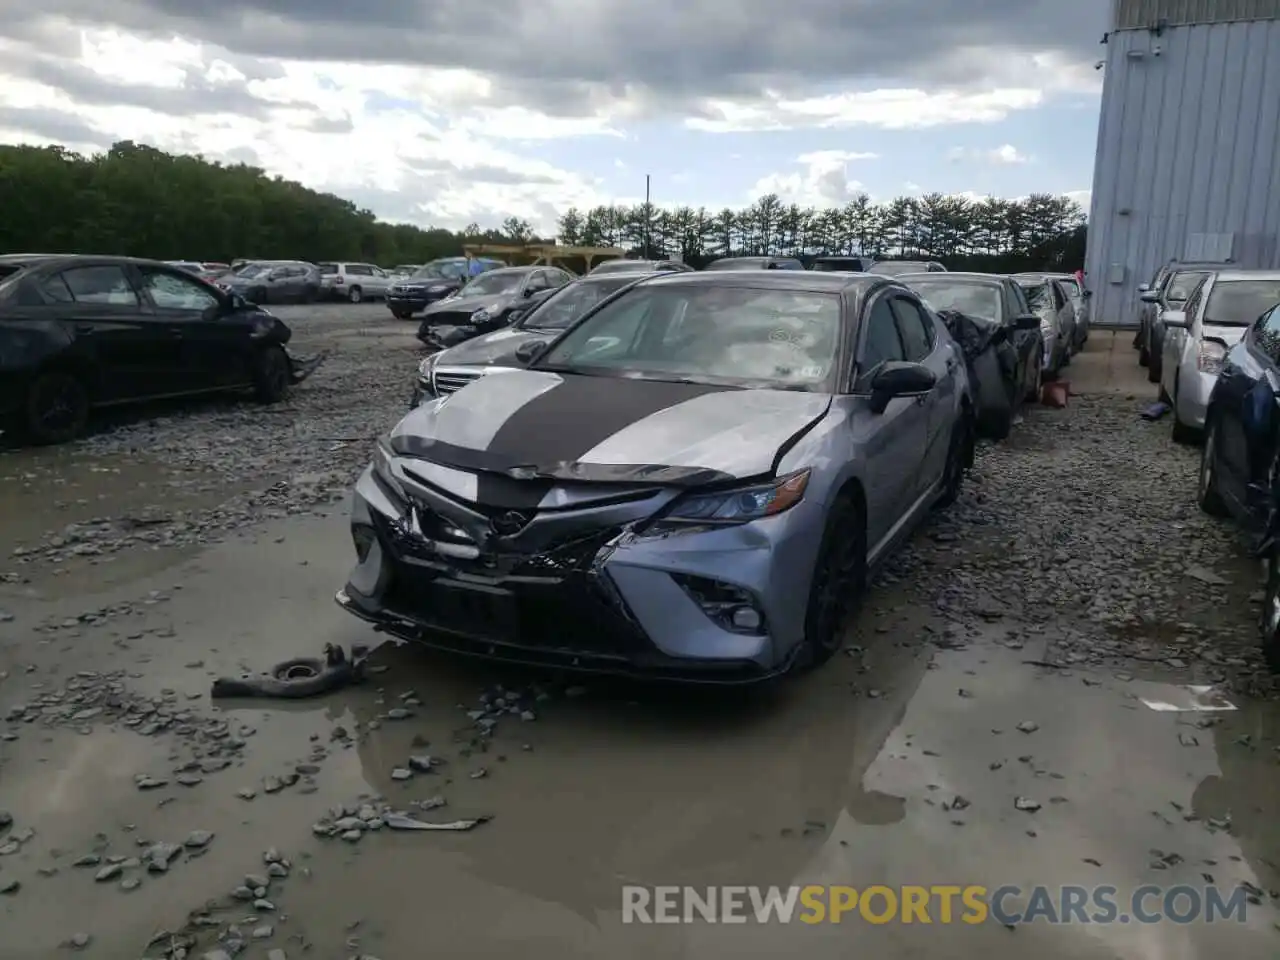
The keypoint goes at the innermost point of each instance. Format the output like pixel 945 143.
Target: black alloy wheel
pixel 959 456
pixel 57 408
pixel 839 579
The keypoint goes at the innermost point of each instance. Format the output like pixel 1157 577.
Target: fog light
pixel 746 618
pixel 364 538
pixel 729 605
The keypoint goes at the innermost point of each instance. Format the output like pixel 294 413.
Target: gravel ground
pixel 1077 541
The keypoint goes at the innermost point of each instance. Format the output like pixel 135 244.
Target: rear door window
pixel 105 284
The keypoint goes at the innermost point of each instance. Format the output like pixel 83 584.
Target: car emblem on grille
pixel 508 524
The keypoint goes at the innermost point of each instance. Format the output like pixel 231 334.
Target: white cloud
pixel 887 109
pixel 1006 154
pixel 435 156
pixel 824 181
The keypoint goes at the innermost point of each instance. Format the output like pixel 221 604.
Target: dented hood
pixel 531 424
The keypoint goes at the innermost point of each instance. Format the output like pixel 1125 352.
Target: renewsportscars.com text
pixel 938 903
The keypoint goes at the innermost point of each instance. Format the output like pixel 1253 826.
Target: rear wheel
pixel 959 456
pixel 839 578
pixel 271 375
pixel 355 294
pixel 1035 382
pixel 57 408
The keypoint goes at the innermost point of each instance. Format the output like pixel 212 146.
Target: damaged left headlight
pixel 383 457
pixel 743 504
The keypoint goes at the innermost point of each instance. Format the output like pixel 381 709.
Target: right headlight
pixel 427 365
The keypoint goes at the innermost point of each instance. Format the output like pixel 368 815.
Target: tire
pixel 258 295
pixel 310 294
pixel 1183 434
pixel 1037 382
pixel 1207 493
pixel 959 456
pixel 1155 370
pixel 56 409
pixel 355 294
pixel 401 315
pixel 839 579
pixel 1269 619
pixel 271 374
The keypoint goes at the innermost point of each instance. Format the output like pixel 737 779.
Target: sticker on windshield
pixel 812 373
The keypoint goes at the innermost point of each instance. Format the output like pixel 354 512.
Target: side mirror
pixel 1028 321
pixel 1144 287
pixel 1178 320
pixel 526 353
pixel 237 303
pixel 1088 294
pixel 1149 296
pixel 898 378
pixel 532 291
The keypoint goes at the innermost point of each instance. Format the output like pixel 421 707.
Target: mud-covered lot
pixel 1012 709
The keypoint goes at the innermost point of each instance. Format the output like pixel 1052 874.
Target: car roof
pixel 1237 274
pixel 802 280
pixel 995 279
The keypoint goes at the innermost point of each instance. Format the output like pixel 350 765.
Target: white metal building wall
pixel 1187 162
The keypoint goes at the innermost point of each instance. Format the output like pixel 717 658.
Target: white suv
pixel 354 281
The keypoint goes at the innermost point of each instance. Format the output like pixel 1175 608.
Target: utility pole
pixel 648 218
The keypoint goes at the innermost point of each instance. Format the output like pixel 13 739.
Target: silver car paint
pixel 888 454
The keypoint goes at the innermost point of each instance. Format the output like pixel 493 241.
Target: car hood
pixel 423 283
pixel 1230 335
pixel 498 347
pixel 535 425
pixel 465 304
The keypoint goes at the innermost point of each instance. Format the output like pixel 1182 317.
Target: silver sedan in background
pixel 694 480
pixel 1214 319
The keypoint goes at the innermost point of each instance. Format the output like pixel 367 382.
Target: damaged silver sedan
pixel 693 481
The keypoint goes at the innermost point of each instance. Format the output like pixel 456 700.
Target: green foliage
pixel 140 201
pixel 1039 232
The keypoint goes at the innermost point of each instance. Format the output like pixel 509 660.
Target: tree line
pixel 140 201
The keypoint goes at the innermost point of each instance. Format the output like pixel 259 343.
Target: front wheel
pixel 401 314
pixel 1269 621
pixel 57 408
pixel 258 295
pixel 1207 493
pixel 839 578
pixel 271 374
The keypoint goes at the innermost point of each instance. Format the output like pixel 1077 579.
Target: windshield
pixel 973 299
pixel 563 308
pixel 897 267
pixel 1038 296
pixel 751 336
pixel 1182 286
pixel 492 285
pixel 1237 303
pixel 442 270
pixel 838 266
pixel 624 266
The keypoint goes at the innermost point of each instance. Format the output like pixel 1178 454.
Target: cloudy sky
pixel 445 112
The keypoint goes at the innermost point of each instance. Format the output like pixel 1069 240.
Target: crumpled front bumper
pixel 582 590
pixel 302 367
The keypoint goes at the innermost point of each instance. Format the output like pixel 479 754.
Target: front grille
pixel 449 381
pixel 450 318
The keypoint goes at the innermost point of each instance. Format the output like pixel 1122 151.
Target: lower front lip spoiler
pixel 730 673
